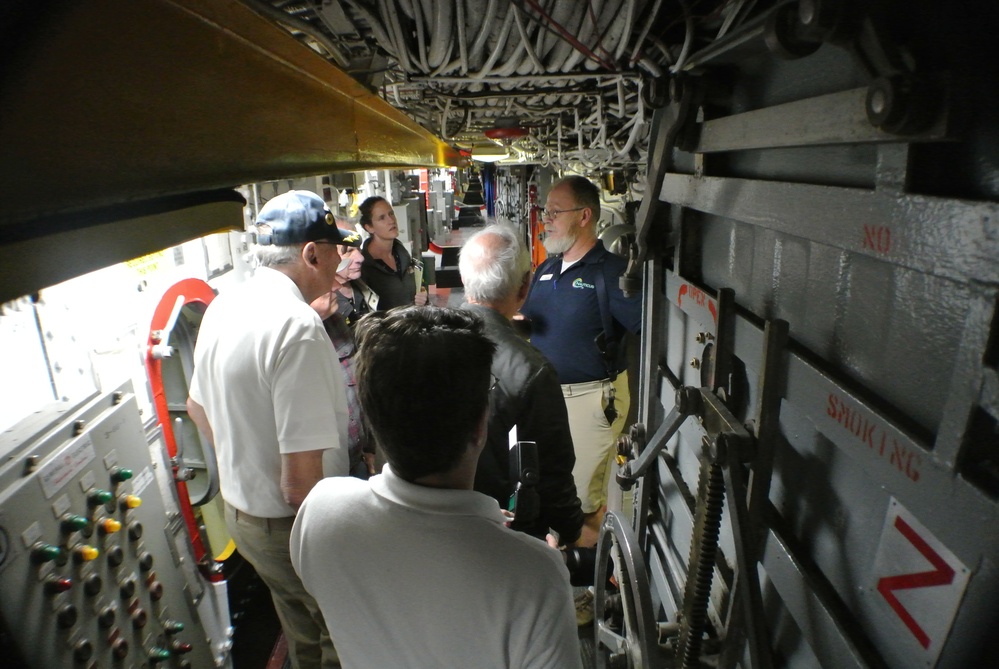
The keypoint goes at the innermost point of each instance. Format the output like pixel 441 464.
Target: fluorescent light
pixel 489 153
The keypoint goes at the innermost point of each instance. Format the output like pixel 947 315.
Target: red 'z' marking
pixel 942 575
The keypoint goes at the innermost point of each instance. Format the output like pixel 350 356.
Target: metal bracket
pixel 688 403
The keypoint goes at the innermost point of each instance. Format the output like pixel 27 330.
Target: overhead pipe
pixel 378 30
pixel 459 6
pixel 520 80
pixel 526 41
pixel 688 38
pixel 645 31
pixel 440 47
pixel 584 37
pixel 500 43
pixel 301 26
pixel 512 53
pixel 395 35
pixel 629 17
pixel 485 30
pixel 421 39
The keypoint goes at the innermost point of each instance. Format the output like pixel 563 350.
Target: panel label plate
pixel 66 464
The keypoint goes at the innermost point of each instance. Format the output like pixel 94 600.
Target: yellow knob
pixel 109 526
pixel 132 502
pixel 86 553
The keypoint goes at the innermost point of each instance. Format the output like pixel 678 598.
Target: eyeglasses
pixel 553 213
pixel 493 383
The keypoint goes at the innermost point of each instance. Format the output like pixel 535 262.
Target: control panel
pixel 96 566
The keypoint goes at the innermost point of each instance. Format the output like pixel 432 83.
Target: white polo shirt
pixel 268 377
pixel 411 576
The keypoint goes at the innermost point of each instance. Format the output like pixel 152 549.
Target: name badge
pixel 545 277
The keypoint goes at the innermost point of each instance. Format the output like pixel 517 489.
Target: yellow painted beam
pixel 110 101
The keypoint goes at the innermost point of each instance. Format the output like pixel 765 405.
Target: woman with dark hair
pixel 388 268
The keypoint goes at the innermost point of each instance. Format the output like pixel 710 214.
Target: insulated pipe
pixel 421 40
pixel 459 6
pixel 378 30
pixel 408 9
pixel 500 42
pixel 645 31
pixel 584 32
pixel 688 38
pixel 485 29
pixel 395 32
pixel 526 40
pixel 512 58
pixel 301 26
pixel 629 18
pixel 560 49
pixel 440 47
pixel 520 80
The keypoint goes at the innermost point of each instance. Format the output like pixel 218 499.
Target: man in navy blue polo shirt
pixel 579 318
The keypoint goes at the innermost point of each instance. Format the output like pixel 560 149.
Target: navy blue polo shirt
pixel 565 312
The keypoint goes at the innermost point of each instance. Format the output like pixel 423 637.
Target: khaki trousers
pixel 594 440
pixel 264 542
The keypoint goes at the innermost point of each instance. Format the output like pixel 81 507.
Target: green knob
pixel 119 474
pixel 99 497
pixel 173 626
pixel 73 523
pixel 158 655
pixel 44 553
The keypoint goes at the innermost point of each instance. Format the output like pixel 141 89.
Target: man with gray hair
pixel 496 272
pixel 268 392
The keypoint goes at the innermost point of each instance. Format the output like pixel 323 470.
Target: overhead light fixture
pixel 489 153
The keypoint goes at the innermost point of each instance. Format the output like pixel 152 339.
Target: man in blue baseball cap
pixel 268 391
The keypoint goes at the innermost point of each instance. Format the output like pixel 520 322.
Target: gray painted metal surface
pixel 876 411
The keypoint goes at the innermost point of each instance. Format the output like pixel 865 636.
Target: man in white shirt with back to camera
pixel 413 568
pixel 268 391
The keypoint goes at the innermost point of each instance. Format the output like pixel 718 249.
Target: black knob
pixel 139 618
pixel 119 648
pixel 115 556
pixel 135 530
pixel 106 616
pixel 83 650
pixel 127 588
pixel 145 560
pixel 66 616
pixel 92 584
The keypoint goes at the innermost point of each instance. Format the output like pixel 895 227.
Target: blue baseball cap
pixel 300 216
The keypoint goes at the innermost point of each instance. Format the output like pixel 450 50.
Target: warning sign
pixel 920 581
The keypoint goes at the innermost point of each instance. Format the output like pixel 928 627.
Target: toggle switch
pixel 41 553
pixel 72 523
pixel 120 474
pixel 55 585
pixel 173 626
pixel 108 526
pixel 85 553
pixel 157 655
pixel 99 497
pixel 129 502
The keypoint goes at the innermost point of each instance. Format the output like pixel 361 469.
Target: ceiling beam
pixel 104 102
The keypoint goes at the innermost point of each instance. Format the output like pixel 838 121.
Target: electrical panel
pixel 96 566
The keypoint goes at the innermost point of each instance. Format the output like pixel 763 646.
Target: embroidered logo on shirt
pixel 578 283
